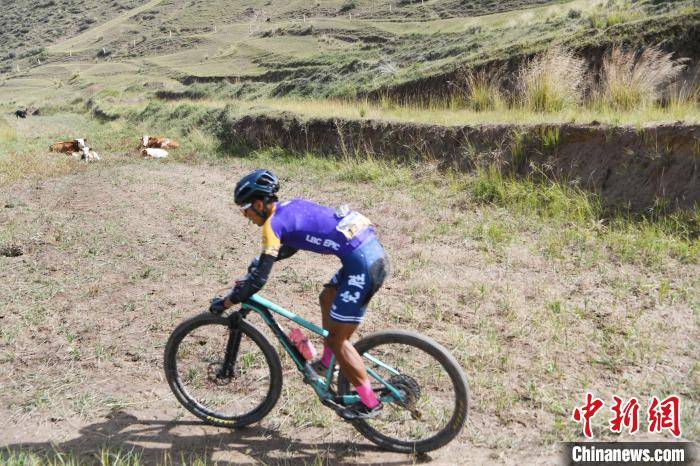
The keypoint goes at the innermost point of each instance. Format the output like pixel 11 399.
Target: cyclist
pixel 302 224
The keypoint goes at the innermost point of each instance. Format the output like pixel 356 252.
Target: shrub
pixel 551 81
pixel 347 6
pixel 40 51
pixel 631 80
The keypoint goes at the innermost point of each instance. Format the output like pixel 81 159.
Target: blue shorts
pixel 363 272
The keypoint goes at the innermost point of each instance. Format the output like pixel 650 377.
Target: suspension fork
pixel 232 346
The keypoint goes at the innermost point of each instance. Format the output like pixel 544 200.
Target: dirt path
pixel 114 257
pixel 116 253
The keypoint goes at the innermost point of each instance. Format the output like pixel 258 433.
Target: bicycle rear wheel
pixel 432 383
pixel 194 368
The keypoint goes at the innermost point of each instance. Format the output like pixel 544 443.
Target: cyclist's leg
pixel 343 304
pixel 352 366
pixel 347 311
pixel 348 358
pixel 326 299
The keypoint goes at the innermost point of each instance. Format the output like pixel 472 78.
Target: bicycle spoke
pixel 200 358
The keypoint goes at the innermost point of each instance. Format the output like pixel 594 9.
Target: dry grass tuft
pixel 483 91
pixel 552 81
pixel 684 94
pixel 7 132
pixel 632 80
pixel 15 167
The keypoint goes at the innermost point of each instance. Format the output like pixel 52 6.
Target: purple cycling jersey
pixel 305 225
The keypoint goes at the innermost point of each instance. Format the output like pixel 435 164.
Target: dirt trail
pixel 116 256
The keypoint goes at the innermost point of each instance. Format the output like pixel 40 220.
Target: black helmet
pixel 259 184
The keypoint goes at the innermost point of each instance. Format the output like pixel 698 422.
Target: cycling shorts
pixel 363 272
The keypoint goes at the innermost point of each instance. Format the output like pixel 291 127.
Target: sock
pixel 367 395
pixel 327 355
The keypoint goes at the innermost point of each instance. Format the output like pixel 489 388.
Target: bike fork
pixel 232 345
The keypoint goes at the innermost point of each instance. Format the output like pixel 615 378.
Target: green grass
pixel 8 135
pixel 577 222
pixel 579 215
pixel 548 200
pixel 483 92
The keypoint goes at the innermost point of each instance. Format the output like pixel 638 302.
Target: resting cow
pixel 154 152
pixel 87 154
pixel 21 114
pixel 159 142
pixel 76 145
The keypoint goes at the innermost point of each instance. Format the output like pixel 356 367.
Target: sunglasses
pixel 246 207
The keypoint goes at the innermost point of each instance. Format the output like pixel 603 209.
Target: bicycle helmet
pixel 259 184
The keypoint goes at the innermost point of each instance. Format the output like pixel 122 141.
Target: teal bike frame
pixel 321 385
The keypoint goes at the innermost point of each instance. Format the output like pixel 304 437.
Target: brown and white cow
pixel 159 142
pixel 75 145
pixel 87 154
pixel 154 152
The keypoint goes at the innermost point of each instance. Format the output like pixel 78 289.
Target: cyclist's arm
pixel 285 252
pixel 255 280
pixel 273 250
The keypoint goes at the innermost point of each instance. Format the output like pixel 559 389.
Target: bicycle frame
pixel 321 385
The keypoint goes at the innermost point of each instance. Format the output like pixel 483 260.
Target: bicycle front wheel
pixel 195 358
pixel 431 382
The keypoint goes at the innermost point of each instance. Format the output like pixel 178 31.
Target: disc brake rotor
pixel 410 391
pixel 215 376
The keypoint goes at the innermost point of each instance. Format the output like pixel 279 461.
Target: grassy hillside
pixel 27 27
pixel 340 48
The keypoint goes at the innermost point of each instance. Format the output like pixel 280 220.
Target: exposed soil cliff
pixel 626 165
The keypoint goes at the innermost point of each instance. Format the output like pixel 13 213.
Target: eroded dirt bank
pixel 633 166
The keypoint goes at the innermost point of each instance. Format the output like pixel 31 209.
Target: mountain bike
pixel 227 373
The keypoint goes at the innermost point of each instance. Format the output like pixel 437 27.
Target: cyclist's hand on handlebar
pixel 217 306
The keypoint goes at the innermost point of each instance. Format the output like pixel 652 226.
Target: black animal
pixel 21 114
